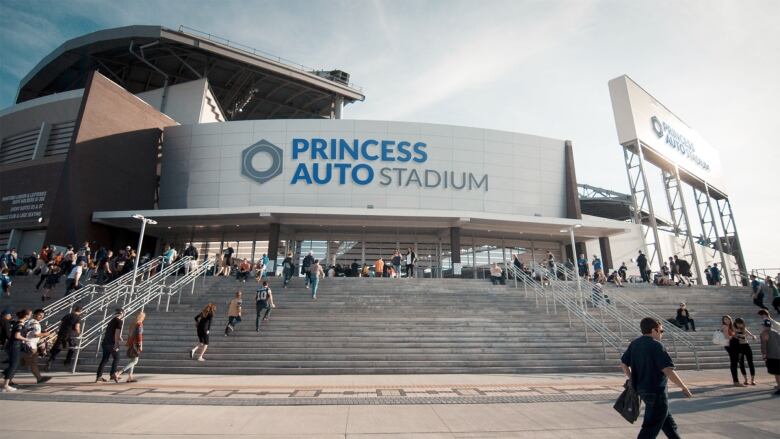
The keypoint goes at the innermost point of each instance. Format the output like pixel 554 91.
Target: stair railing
pixel 69 301
pixel 99 308
pixel 630 313
pixel 570 302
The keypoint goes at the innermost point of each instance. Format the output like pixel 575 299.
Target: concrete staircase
pixel 707 305
pixel 409 326
pixel 365 326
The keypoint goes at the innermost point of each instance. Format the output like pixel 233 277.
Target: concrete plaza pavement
pixel 375 406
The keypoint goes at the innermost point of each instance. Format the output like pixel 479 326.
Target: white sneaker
pixel 8 389
pixel 201 359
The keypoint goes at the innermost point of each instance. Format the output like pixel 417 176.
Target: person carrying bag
pixel 627 403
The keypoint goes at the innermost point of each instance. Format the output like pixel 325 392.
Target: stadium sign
pixel 319 161
pixel 640 117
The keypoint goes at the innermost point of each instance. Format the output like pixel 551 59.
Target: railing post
pixel 586 331
pixel 78 352
pixel 547 303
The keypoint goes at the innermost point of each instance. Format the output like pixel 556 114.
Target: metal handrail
pixel 68 301
pixel 113 294
pixel 570 302
pixel 143 294
pixel 633 307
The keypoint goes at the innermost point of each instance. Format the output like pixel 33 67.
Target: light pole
pixel 144 222
pixel 570 229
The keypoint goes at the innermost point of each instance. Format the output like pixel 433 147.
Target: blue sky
pixel 538 67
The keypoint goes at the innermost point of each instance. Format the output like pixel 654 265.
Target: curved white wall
pixel 525 174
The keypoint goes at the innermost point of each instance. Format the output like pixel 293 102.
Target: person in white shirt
pixel 74 277
pixel 32 328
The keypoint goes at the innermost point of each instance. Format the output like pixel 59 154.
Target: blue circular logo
pixel 262 175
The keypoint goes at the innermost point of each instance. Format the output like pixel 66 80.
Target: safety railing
pixel 116 293
pixel 88 292
pixel 176 288
pixel 132 301
pixel 622 310
pixel 568 301
pixel 120 292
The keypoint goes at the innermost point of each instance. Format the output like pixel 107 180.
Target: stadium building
pixel 224 145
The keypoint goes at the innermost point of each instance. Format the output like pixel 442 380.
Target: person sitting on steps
pixel 684 318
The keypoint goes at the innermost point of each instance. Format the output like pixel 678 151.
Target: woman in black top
pixel 203 327
pixel 741 334
pixel 14 349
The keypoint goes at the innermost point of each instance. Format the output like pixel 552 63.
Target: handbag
pixel 132 352
pixel 719 339
pixel 627 403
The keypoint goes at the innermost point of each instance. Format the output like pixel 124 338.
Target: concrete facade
pixel 526 175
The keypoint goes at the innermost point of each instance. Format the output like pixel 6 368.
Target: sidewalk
pixel 405 406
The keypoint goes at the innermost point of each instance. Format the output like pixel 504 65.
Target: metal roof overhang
pixel 213 222
pixel 282 90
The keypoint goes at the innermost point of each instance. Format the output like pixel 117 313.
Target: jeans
pixel 242 275
pixel 306 277
pixel 776 304
pixel 131 365
pixel 397 271
pixel 745 352
pixel 102 277
pixel 63 342
pixel 643 272
pixel 657 416
pixel 315 283
pixel 109 351
pixel 409 270
pixel 260 306
pixel 495 279
pixel 70 286
pixel 14 352
pixel 685 321
pixel 43 278
pixel 733 351
pixel 287 276
pixel 231 326
pixel 759 301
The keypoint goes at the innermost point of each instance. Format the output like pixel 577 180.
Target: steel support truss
pixel 640 195
pixel 709 228
pixel 730 233
pixel 680 221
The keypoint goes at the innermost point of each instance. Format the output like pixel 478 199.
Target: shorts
pixel 203 337
pixel 773 366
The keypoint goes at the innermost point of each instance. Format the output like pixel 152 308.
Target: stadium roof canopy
pixel 249 84
pixel 605 203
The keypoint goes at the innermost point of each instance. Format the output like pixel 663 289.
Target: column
pixel 273 245
pixel 454 247
pixel 606 254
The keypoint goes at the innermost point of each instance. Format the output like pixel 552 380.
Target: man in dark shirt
pixel 648 365
pixel 70 329
pixel 112 340
pixel 641 262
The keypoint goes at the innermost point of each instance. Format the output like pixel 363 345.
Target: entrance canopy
pixel 247 222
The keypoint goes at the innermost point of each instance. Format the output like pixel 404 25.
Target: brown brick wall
pixel 112 164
